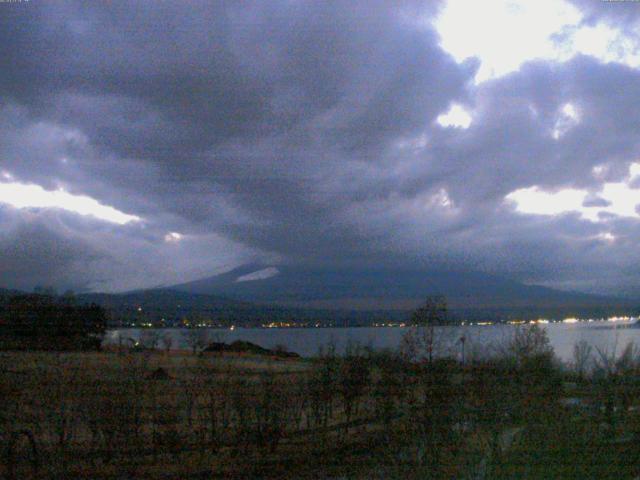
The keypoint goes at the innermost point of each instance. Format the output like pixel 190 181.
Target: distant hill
pixel 160 298
pixel 170 307
pixel 256 294
pixel 397 290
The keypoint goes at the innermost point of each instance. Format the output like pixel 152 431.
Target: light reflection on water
pixel 606 336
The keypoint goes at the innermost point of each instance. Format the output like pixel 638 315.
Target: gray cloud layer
pixel 299 132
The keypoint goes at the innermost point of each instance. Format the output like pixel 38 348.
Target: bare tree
pixel 196 338
pixel 432 312
pixel 217 404
pixel 150 338
pixel 423 337
pixel 164 418
pixel 167 341
pixel 352 382
pixel 62 389
pixel 271 410
pixel 321 385
pixel 582 358
pixel 529 341
pixel 203 338
pixel 113 410
pixel 629 359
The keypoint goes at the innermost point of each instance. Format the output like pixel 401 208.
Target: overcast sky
pixel 147 143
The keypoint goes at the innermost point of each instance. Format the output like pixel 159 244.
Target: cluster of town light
pixel 542 321
pixel 567 320
pixel 390 324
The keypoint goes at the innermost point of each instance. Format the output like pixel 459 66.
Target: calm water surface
pixel 607 336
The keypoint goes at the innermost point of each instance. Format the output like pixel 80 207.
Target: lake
pixel 607 336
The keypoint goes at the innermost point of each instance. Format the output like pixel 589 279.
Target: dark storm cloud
pixel 29 242
pixel 67 251
pixel 515 117
pixel 298 132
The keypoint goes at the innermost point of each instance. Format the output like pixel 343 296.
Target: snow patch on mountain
pixel 259 275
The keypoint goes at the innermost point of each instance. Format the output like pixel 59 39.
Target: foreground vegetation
pixel 47 322
pixel 513 413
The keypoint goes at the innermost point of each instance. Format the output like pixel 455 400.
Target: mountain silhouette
pixel 374 289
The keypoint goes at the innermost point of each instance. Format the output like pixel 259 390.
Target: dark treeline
pixel 38 321
pixel 169 308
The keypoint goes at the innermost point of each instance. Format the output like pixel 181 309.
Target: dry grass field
pixel 97 415
pixel 367 415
